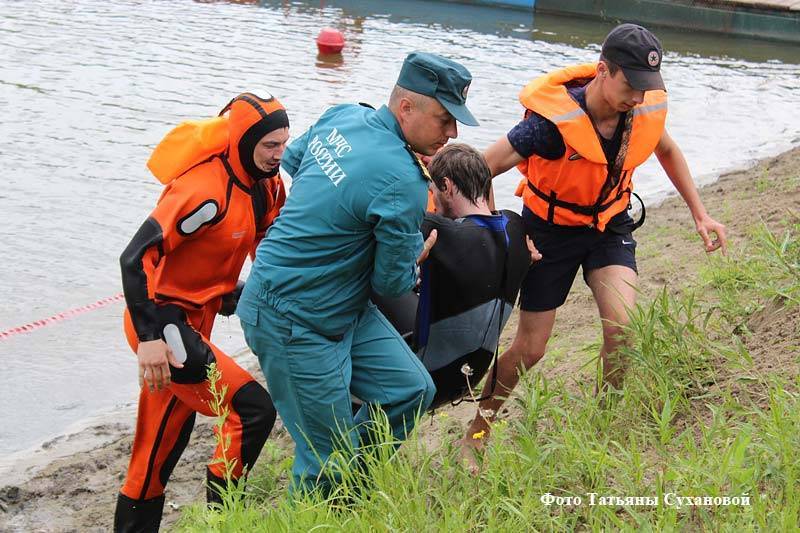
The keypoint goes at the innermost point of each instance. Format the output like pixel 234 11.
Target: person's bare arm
pixel 674 164
pixel 501 156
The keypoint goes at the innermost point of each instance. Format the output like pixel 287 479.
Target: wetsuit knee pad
pixel 253 403
pixel 254 406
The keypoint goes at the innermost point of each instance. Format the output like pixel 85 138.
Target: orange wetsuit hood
pixel 214 209
pixel 249 119
pixel 235 133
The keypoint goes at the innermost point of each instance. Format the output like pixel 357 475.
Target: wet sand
pixel 71 484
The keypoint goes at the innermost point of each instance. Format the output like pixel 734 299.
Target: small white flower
pixel 467 370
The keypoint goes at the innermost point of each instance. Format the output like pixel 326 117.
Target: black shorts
pixel 564 249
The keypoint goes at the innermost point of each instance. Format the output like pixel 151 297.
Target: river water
pixel 87 87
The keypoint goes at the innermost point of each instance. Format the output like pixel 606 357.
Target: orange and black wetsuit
pixel 185 257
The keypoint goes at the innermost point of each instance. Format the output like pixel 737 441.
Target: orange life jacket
pixel 431 207
pixel 581 187
pixel 187 145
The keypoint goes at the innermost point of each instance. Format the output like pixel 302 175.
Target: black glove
pixel 231 300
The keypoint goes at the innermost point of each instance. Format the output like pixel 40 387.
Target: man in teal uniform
pixel 351 223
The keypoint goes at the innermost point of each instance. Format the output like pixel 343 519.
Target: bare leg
pixel 528 347
pixel 614 289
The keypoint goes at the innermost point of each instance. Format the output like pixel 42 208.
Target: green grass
pixel 695 419
pixel 763 183
pixel 766 270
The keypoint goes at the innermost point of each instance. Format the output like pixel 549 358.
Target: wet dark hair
pixel 465 167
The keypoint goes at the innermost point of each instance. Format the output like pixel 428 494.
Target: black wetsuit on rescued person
pixel 470 283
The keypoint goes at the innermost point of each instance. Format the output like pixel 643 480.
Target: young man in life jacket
pixel 351 224
pixel 179 271
pixel 586 129
pixel 469 282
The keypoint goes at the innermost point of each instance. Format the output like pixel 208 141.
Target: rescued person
pixel 470 280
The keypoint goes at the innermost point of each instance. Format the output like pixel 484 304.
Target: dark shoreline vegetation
pixel 710 410
pixel 703 436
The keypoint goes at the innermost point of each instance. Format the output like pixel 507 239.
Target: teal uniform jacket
pixel 351 221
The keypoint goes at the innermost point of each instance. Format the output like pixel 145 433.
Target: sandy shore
pixel 71 484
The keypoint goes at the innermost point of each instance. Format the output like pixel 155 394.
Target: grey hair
pixel 398 93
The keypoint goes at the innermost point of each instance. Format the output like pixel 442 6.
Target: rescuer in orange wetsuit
pixel 179 271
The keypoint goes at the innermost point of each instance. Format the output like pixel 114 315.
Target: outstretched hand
pixel 155 357
pixel 708 227
pixel 426 249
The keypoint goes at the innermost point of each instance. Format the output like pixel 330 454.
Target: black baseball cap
pixel 638 52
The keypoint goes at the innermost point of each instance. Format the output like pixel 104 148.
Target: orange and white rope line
pixel 60 317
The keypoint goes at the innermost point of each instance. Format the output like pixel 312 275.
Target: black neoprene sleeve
pixel 143 310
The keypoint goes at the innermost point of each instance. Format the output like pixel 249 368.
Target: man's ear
pixel 602 69
pixel 406 106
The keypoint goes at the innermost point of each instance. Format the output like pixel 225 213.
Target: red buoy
pixel 330 41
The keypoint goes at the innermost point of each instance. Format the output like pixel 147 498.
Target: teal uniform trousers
pixel 311 378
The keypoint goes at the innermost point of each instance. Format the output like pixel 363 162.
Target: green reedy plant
pixel 232 493
pixel 695 418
